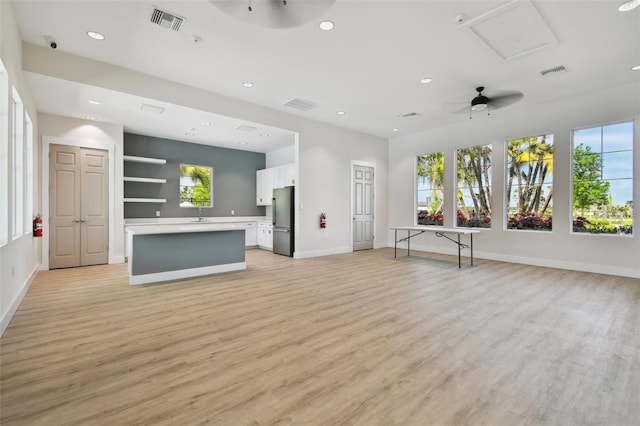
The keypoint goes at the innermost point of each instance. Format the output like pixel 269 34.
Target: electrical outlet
pixel 157 213
pixel 233 212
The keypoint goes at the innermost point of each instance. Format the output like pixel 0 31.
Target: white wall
pixel 324 153
pixel 325 174
pixel 281 156
pixel 90 134
pixel 559 248
pixel 20 257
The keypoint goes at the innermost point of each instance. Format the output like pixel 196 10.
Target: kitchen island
pixel 166 252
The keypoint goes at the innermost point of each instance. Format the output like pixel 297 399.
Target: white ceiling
pixel 369 66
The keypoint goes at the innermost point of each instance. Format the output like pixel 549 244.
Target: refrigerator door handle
pixel 280 230
pixel 273 209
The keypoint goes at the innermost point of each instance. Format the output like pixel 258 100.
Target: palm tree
pixel 531 161
pixel 474 170
pixel 200 193
pixel 431 167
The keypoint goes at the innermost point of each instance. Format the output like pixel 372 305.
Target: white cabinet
pixel 265 235
pixel 250 234
pixel 285 176
pixel 273 177
pixel 265 180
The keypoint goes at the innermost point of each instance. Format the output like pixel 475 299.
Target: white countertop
pixel 182 228
pixel 190 220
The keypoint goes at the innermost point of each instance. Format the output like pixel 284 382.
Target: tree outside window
pixel 529 188
pixel 603 179
pixel 195 186
pixel 474 187
pixel 430 189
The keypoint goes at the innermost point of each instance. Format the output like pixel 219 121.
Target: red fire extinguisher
pixel 37 226
pixel 323 220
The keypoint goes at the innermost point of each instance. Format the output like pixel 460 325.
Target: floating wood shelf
pixel 141 179
pixel 145 200
pixel 144 159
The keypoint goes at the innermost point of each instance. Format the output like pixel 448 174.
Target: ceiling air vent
pixel 553 71
pixel 152 108
pixel 245 128
pixel 301 104
pixel 166 19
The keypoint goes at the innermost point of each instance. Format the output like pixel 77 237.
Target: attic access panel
pixel 512 30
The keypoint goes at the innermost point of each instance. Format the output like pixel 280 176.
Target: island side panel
pixel 153 253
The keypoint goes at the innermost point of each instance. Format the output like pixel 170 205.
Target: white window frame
pixel 29 214
pixel 17 165
pixel 456 187
pixel 4 156
pixel 507 200
pixel 633 178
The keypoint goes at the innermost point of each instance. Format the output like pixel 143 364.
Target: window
pixel 18 163
pixel 474 187
pixel 430 189
pixel 530 183
pixel 196 186
pixel 4 156
pixel 603 179
pixel 28 142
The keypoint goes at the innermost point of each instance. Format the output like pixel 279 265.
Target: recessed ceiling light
pixel 90 117
pixel 242 143
pixel 264 135
pixel 94 102
pixel 206 123
pixel 340 113
pixel 635 68
pixel 189 134
pixel 95 35
pixel 630 5
pixel 326 25
pixel 395 129
pixel 247 84
pixel 426 80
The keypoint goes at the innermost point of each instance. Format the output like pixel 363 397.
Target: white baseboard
pixel 185 273
pixel 544 262
pixel 319 253
pixel 6 318
pixel 116 259
pixel 561 264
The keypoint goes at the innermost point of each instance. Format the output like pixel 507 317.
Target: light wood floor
pixel 356 339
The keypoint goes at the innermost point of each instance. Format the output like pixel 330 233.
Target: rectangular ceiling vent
pixel 166 19
pixel 245 128
pixel 301 104
pixel 553 71
pixel 152 108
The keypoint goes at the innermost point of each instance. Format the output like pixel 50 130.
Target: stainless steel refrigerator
pixel 283 213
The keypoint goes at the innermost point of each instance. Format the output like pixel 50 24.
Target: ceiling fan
pixel 481 102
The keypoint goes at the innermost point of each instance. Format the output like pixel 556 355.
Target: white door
pixel 363 223
pixel 79 206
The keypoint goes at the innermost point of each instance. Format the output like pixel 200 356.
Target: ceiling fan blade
pixel 504 100
pixel 456 107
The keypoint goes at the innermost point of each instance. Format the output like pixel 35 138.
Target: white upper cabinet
pixel 273 177
pixel 265 179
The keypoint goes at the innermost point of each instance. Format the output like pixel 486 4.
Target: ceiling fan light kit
pixel 479 102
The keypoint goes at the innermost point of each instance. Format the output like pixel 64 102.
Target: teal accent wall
pixel 234 178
